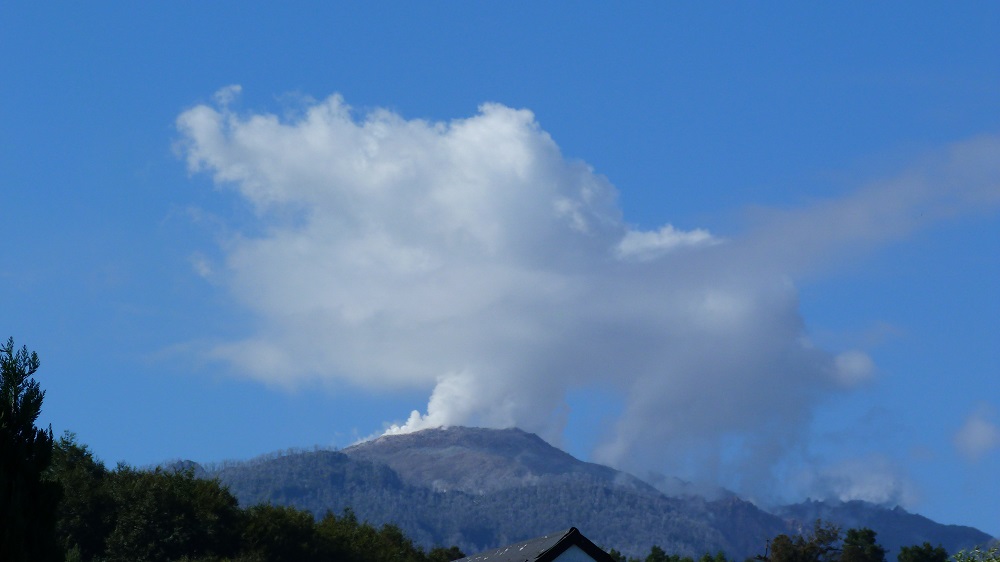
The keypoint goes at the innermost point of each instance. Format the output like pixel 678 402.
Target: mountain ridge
pixel 482 488
pixel 441 458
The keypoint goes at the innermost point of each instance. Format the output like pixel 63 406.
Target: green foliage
pixel 347 539
pixel 823 545
pixel 978 555
pixel 922 553
pixel 167 515
pixel 657 554
pixel 442 554
pixel 616 555
pixel 819 546
pixel 85 511
pixel 860 546
pixel 163 515
pixel 27 501
pixel 718 557
pixel 279 533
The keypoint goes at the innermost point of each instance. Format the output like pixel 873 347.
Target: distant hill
pixel 482 488
pixel 896 527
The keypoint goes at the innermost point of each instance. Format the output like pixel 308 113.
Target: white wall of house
pixel 574 554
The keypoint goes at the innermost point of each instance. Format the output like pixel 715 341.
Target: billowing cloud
pixel 873 478
pixel 979 435
pixel 472 259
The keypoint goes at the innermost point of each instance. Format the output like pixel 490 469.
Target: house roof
pixel 542 549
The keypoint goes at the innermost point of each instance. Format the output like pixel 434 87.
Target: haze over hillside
pixel 481 488
pixel 478 460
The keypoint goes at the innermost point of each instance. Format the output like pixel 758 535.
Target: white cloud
pixel 873 478
pixel 647 245
pixel 979 435
pixel 853 368
pixel 471 258
pixel 202 266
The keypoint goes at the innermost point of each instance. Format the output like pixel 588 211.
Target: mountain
pixel 896 527
pixel 482 488
pixel 477 461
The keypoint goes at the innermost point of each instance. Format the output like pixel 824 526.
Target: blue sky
pixel 751 245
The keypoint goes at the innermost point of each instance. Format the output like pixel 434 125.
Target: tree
pixel 85 511
pixel 923 553
pixel 784 548
pixel 442 554
pixel 657 554
pixel 819 546
pixel 708 557
pixel 162 515
pixel 27 501
pixel 860 546
pixel 279 534
pixel 615 555
pixel 979 555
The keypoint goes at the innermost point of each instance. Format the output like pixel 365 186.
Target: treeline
pixel 127 514
pixel 657 554
pixel 58 503
pixel 826 544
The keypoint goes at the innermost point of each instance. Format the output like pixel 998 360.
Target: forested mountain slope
pixel 481 488
pixel 613 516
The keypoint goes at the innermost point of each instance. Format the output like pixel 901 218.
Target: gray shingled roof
pixel 541 549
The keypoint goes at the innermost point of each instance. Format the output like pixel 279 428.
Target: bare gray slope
pixel 476 460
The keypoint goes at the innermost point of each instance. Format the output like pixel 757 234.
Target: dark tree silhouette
pixel 860 546
pixel 27 501
pixel 922 553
